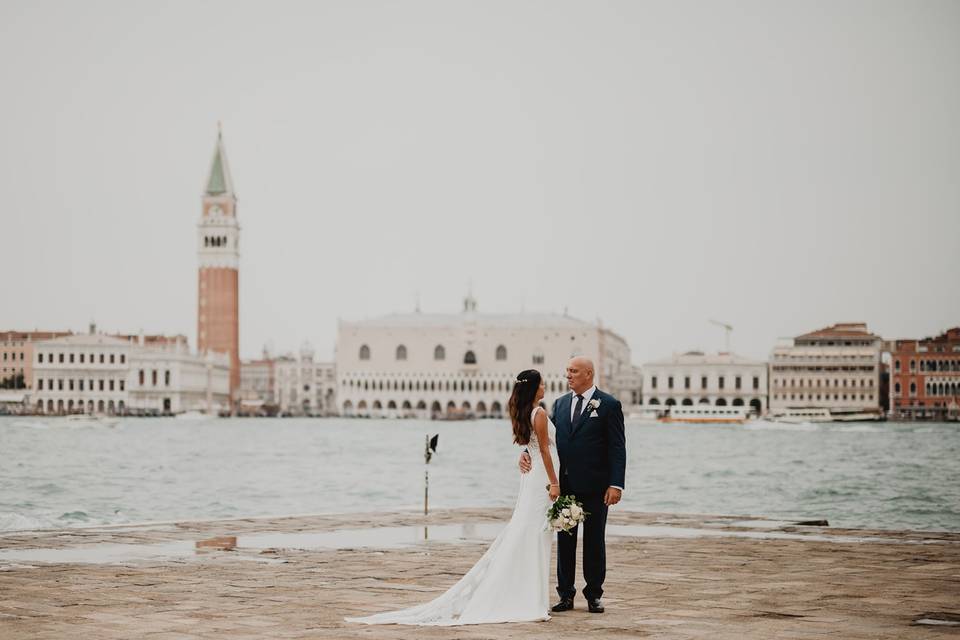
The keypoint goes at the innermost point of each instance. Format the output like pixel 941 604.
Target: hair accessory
pixel 521 381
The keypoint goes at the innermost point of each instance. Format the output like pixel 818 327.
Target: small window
pixel 501 353
pixel 401 352
pixel 469 358
pixel 439 353
pixel 364 352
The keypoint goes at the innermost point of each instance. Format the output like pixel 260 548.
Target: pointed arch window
pixel 538 356
pixel 469 358
pixel 364 352
pixel 401 352
pixel 439 353
pixel 501 353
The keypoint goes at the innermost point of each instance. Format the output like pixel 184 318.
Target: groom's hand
pixel 612 496
pixel 525 464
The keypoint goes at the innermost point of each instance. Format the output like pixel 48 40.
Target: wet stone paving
pixel 669 576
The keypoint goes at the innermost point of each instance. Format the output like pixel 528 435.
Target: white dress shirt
pixel 587 396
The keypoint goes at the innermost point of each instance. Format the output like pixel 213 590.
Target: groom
pixel 593 455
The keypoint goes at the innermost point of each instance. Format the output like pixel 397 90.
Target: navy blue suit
pixel 593 457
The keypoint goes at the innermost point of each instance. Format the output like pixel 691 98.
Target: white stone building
pixel 835 370
pixel 166 378
pixel 96 373
pixel 457 365
pixel 82 373
pixel 303 386
pixel 722 379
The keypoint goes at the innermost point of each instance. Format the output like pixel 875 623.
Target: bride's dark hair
pixel 521 402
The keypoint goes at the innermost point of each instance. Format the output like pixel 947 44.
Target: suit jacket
pixel 593 452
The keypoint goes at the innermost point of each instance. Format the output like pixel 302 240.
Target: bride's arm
pixel 543 439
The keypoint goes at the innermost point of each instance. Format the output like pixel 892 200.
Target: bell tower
pixel 218 308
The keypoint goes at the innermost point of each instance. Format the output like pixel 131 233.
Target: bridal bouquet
pixel 565 514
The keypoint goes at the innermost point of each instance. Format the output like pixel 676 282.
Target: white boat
pixel 705 414
pixel 823 414
pixel 691 414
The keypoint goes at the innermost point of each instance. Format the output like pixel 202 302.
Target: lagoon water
pixel 53 475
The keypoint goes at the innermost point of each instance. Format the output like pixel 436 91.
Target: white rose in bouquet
pixel 565 513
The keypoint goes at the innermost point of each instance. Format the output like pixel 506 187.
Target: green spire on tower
pixel 220 183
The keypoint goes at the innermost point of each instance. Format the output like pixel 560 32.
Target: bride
pixel 510 583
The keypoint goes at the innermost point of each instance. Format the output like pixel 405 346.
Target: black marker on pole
pixel 430 448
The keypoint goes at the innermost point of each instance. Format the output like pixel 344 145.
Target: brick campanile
pixel 218 309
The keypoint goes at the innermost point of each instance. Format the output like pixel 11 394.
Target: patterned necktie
pixel 577 410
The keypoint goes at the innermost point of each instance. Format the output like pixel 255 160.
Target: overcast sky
pixel 779 166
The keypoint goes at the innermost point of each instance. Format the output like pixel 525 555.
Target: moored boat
pixel 705 414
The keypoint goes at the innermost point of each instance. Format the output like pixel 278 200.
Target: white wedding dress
pixel 510 583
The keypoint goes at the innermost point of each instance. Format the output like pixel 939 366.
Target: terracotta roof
pixel 32 335
pixel 841 330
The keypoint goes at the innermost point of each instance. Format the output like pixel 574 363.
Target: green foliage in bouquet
pixel 565 513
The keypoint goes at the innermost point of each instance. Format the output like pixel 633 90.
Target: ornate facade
pixel 926 378
pixel 463 365
pixel 305 387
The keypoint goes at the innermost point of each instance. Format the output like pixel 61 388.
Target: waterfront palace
pixel 835 369
pixel 722 379
pixel 464 364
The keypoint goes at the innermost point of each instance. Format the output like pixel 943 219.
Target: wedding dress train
pixel 510 582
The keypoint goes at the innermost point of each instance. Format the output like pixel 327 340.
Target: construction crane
pixel 727 328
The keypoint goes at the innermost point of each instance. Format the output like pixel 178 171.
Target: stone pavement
pixel 687 577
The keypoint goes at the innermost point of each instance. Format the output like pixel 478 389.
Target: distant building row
pixel 463 365
pixel 62 373
pixel 842 372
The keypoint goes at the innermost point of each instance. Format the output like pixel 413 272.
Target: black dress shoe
pixel 594 605
pixel 565 604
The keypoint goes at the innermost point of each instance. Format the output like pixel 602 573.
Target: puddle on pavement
pixel 381 538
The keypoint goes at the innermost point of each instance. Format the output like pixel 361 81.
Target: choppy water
pixel 884 475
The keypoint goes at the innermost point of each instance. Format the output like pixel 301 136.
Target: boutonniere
pixel 594 404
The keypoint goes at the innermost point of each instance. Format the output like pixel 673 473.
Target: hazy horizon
pixel 778 166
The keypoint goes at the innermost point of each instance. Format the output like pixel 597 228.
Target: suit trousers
pixel 594 550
